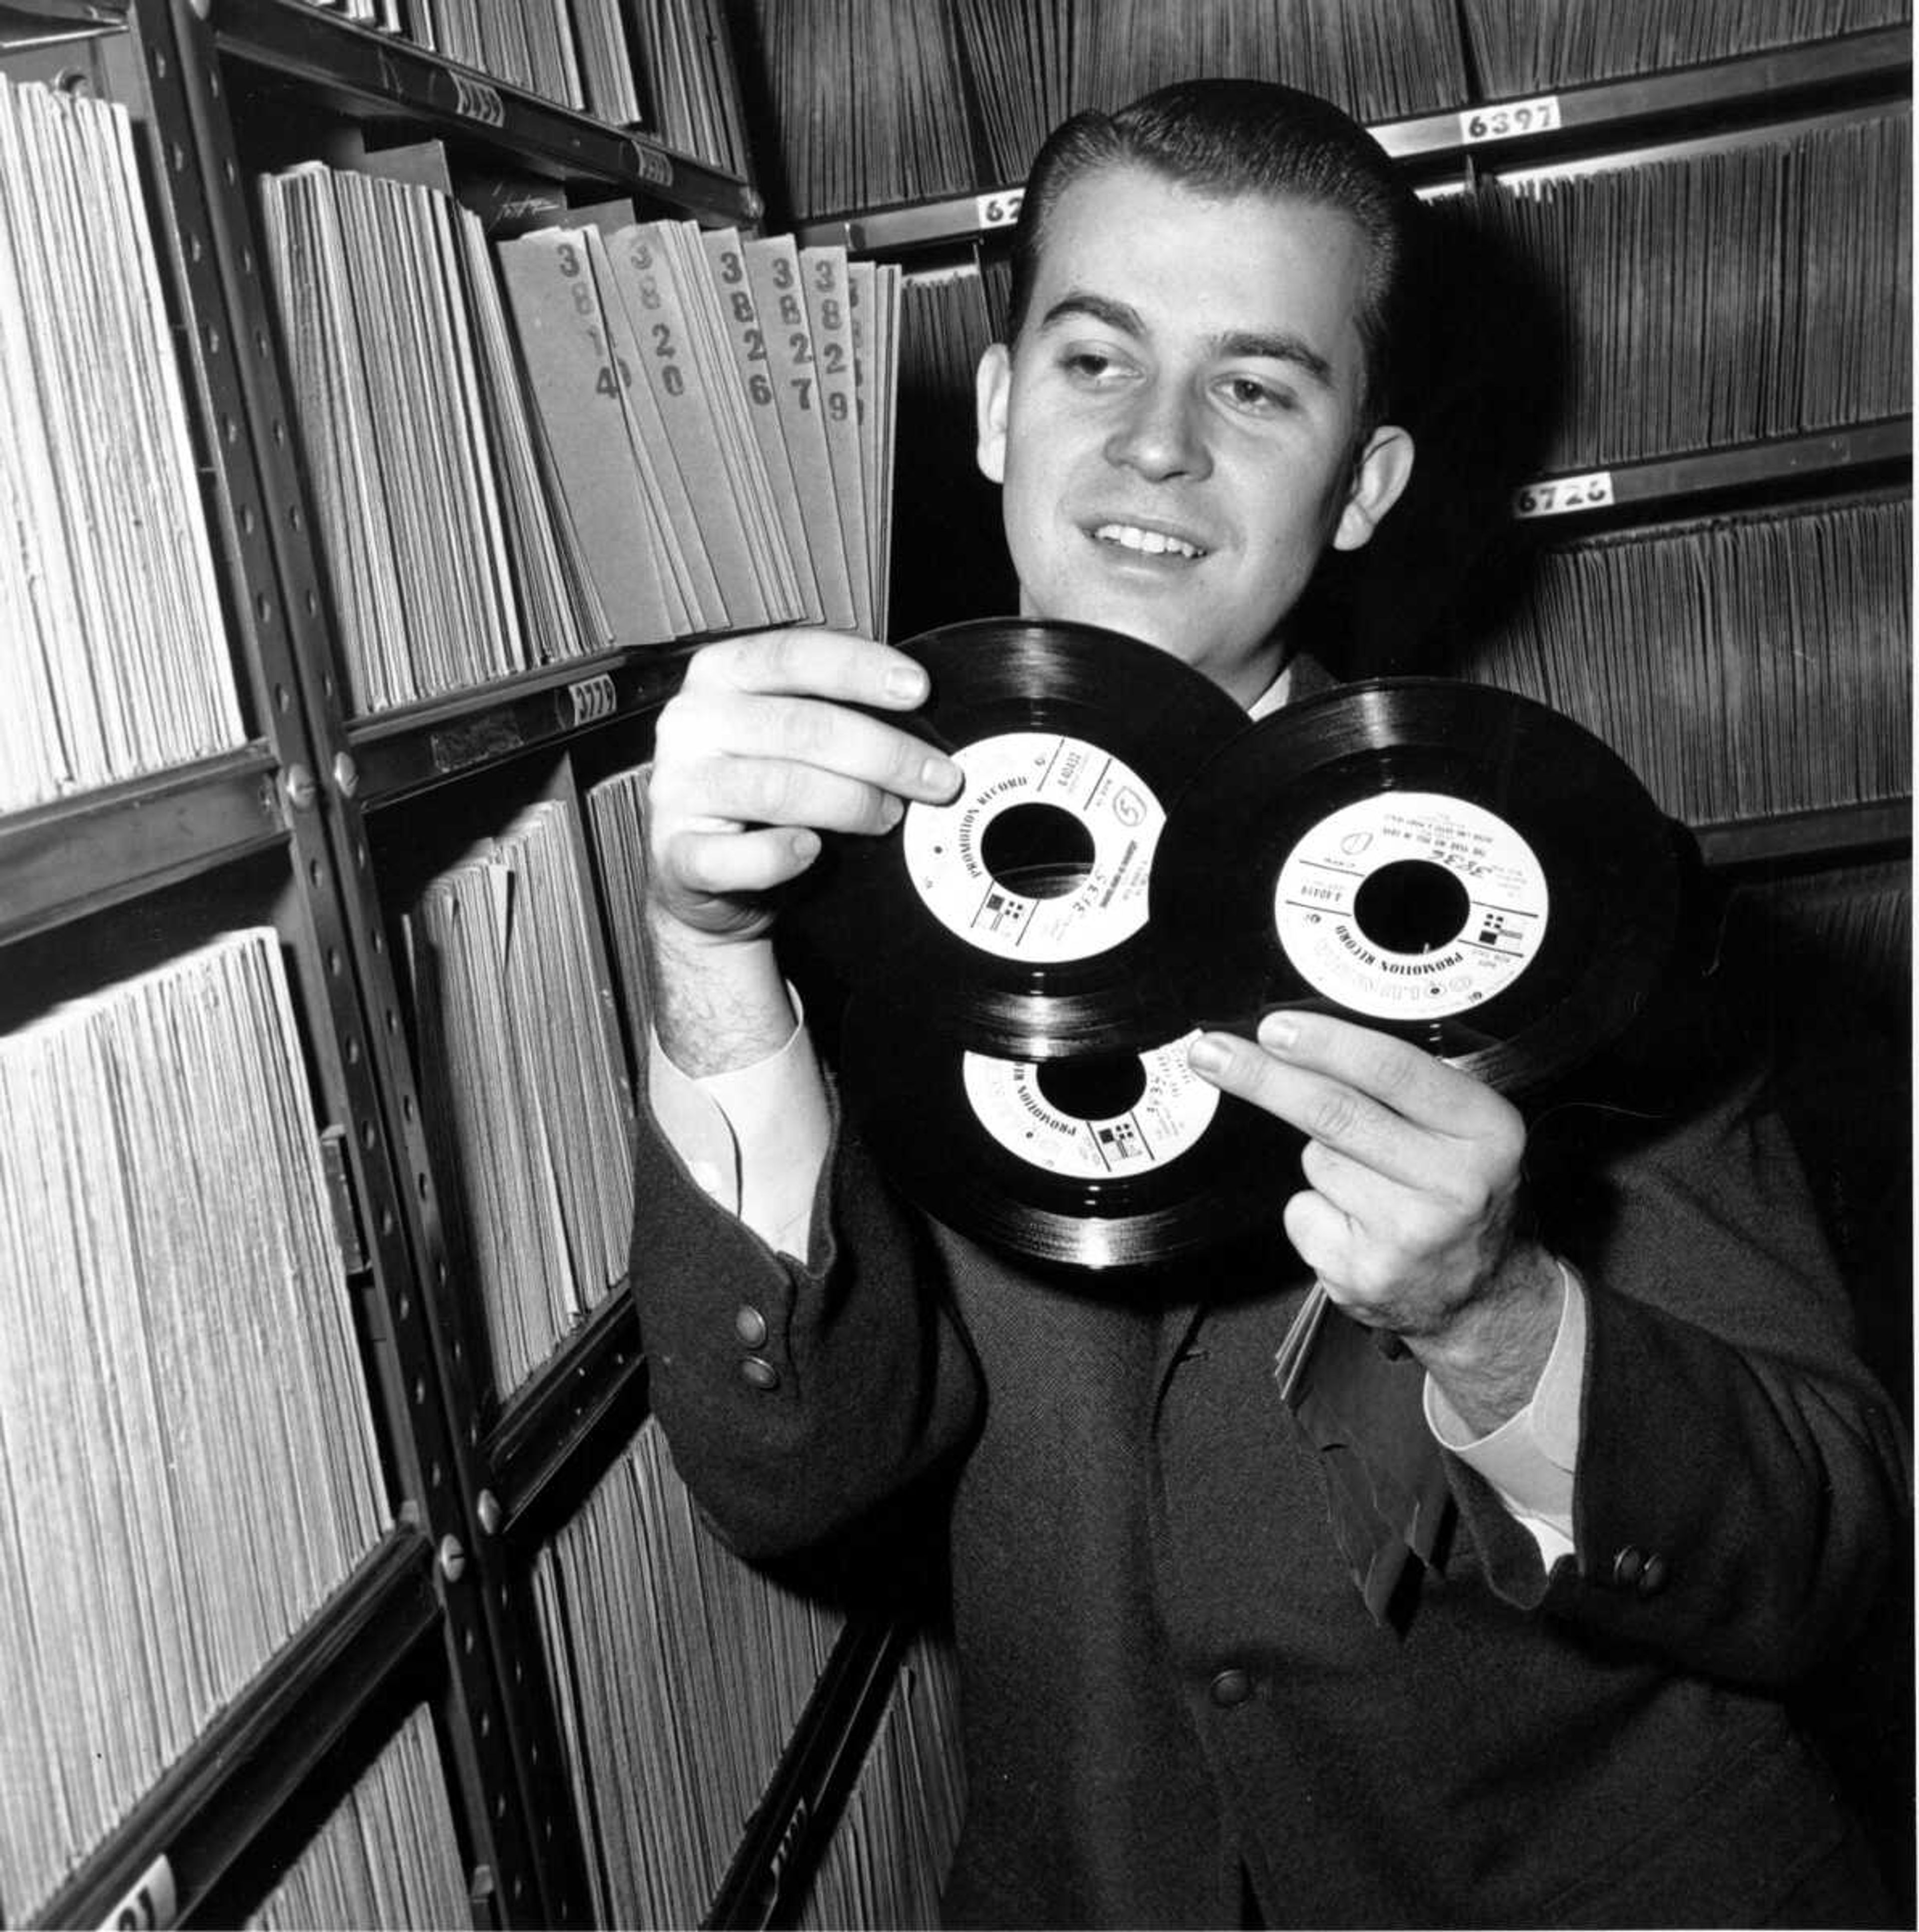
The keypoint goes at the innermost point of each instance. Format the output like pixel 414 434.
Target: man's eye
pixel 1250 394
pixel 1088 365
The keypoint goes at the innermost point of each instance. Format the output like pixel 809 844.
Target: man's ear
pixel 992 386
pixel 1381 473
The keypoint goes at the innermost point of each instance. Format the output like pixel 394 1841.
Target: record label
pixel 1104 804
pixel 1171 1115
pixel 1410 904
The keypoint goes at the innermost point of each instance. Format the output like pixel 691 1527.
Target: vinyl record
pixel 1107 1160
pixel 1021 907
pixel 1445 861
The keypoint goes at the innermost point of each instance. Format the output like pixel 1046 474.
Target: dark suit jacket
pixel 1171 1688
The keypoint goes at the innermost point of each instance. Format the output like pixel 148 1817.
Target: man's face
pixel 1174 428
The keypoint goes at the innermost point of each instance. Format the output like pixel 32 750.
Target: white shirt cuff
pixel 1531 1459
pixel 754 1138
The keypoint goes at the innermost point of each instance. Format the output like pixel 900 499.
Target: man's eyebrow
pixel 1282 347
pixel 1277 346
pixel 1122 316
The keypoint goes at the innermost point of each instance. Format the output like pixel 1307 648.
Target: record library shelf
pixel 278 829
pixel 1605 117
pixel 1859 453
pixel 369 76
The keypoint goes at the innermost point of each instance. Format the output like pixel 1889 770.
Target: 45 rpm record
pixel 1447 861
pixel 1107 1160
pixel 1021 905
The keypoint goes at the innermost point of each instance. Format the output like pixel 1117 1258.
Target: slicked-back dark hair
pixel 1236 137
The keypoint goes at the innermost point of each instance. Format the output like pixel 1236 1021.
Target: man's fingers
pixel 727 865
pixel 803 661
pixel 1401 1076
pixel 699 730
pixel 1359 1127
pixel 730 793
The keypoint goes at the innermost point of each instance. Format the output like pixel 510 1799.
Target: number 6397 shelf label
pixel 1506 118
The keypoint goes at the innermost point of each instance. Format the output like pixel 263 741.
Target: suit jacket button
pixel 1652 1578
pixel 750 1325
pixel 760 1372
pixel 1628 1566
pixel 1230 1687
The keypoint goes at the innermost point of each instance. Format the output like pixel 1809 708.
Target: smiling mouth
pixel 1145 543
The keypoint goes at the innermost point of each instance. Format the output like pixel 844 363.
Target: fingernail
pixel 891 810
pixel 1207 1054
pixel 941 774
pixel 907 682
pixel 1277 1033
pixel 805 847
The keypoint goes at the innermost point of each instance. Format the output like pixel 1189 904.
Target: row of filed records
pixel 188 1466
pixel 624 433
pixel 117 660
pixel 664 65
pixel 188 1458
pixel 875 102
pixel 688 434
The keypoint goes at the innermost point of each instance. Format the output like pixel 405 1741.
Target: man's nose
pixel 1161 434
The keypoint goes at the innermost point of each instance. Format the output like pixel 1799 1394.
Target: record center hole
pixel 1038 849
pixel 1094 1086
pixel 1411 906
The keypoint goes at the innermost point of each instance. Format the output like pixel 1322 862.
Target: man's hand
pixel 1411 1216
pixel 757 753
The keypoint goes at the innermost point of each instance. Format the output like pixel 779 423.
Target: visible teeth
pixel 1154 543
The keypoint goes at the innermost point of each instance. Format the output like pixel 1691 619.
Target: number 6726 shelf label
pixel 1560 496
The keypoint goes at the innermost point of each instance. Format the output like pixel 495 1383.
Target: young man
pixel 1673 1484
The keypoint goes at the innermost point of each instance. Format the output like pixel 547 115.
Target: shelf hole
pixel 313 610
pixel 232 172
pixel 212 339
pixel 179 158
pixel 392 1020
pixel 333 962
pixel 386 1228
pixel 436 1476
pixel 406 1299
pixel 314 872
pixel 283 698
pixel 263 603
pixel 279 430
pixel 419 1391
pixel 352 1053
pixel 406 1107
pixel 294 517
pixel 247 518
pixel 194 249
pixel 230 430
pixel 420 1181
pixel 366 1136
pixel 260 347
pixel 159 61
